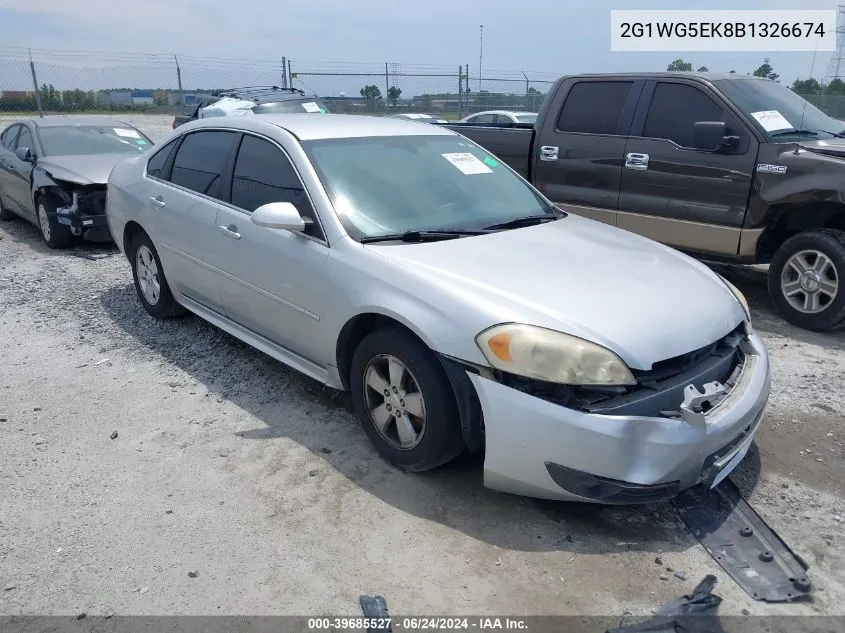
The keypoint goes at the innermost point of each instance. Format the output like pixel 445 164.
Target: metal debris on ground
pixel 693 613
pixel 375 609
pixel 742 543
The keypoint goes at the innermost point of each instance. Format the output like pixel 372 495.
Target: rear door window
pixel 201 160
pixel 594 107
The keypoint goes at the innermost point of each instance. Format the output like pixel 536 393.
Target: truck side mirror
pixel 708 135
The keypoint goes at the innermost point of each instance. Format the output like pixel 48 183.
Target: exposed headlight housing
pixel 739 296
pixel 543 354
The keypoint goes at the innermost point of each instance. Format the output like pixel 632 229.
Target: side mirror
pixel 24 154
pixel 278 215
pixel 708 135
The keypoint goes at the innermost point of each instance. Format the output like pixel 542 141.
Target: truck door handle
pixel 157 201
pixel 230 231
pixel 636 161
pixel 548 152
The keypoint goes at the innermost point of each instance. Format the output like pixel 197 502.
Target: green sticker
pixel 141 142
pixel 490 162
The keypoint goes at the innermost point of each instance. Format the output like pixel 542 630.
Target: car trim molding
pixel 246 284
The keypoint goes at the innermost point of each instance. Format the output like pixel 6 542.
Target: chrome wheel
pixel 394 401
pixel 809 281
pixel 44 221
pixel 147 273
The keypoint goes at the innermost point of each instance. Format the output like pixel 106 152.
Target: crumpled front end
pixel 689 420
pixel 83 211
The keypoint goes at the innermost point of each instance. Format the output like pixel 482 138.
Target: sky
pixel 541 38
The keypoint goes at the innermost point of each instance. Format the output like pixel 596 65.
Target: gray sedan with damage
pixel 461 310
pixel 53 172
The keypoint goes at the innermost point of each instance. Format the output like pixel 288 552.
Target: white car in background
pixel 500 116
pixel 422 118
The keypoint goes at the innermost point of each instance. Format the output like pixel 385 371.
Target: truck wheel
pixel 150 282
pixel 807 279
pixel 55 235
pixel 404 401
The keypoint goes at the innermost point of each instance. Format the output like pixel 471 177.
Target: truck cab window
pixel 594 107
pixel 675 108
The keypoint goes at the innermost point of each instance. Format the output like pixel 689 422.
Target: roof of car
pixel 308 127
pixel 73 119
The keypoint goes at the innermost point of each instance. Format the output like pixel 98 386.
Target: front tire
pixel 404 401
pixel 150 283
pixel 55 235
pixel 807 279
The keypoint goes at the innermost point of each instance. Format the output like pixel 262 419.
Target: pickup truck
pixel 721 166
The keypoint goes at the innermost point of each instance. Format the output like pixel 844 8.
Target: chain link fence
pixel 149 90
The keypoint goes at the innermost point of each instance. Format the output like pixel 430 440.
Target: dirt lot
pixel 227 464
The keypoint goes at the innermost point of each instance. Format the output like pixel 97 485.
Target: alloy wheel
pixel 394 401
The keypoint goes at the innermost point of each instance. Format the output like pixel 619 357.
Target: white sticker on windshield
pixel 122 131
pixel 467 163
pixel 772 120
pixel 311 107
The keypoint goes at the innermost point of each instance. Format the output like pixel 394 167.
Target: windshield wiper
pixel 420 236
pixel 796 132
pixel 527 220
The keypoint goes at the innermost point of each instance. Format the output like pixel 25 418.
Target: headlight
pixel 739 296
pixel 543 354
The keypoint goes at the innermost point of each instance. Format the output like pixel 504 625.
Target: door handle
pixel 549 152
pixel 230 231
pixel 9 166
pixel 157 201
pixel 638 162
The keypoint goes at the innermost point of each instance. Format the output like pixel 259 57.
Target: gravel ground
pixel 136 452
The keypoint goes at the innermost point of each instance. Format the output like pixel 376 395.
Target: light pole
pixel 480 53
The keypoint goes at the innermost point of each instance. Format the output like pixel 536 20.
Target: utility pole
pixel 284 73
pixel 480 53
pixel 35 85
pixel 179 81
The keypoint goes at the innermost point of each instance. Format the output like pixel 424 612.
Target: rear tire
pixel 55 235
pixel 807 279
pixel 150 283
pixel 404 401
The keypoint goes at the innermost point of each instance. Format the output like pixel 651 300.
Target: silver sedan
pixel 460 308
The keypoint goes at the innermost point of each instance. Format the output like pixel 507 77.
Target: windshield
pixel 85 140
pixel 526 118
pixel 390 185
pixel 290 106
pixel 778 110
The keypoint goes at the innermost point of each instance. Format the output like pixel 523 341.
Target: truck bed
pixel 511 144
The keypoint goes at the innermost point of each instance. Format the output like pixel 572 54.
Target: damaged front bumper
pixel 84 211
pixel 538 448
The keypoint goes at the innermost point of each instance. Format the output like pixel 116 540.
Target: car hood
pixel 831 147
pixel 641 299
pixel 84 170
